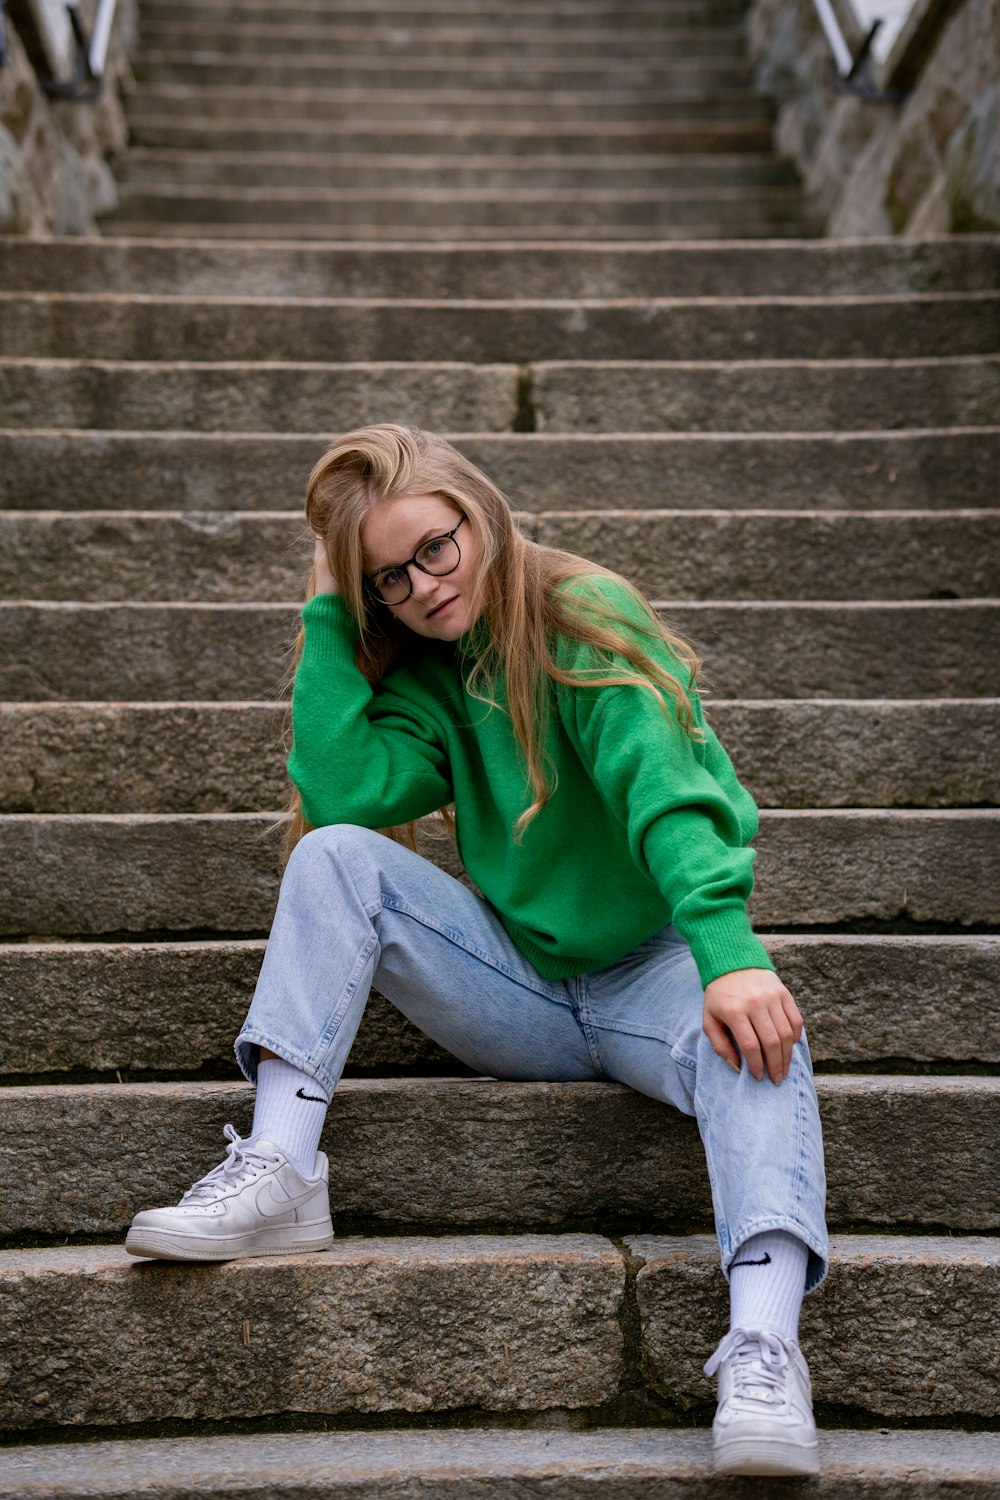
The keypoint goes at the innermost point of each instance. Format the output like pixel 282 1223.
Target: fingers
pixel 720 1039
pixel 758 1014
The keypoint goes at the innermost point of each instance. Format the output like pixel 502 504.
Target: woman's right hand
pixel 322 577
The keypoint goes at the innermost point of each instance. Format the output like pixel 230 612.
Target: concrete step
pixel 230 757
pixel 475 1323
pixel 519 1156
pixel 440 233
pixel 163 125
pixel 106 874
pixel 487 1464
pixel 113 326
pixel 704 66
pixel 142 165
pixel 427 208
pixel 421 43
pixel 875 1284
pixel 809 268
pixel 438 104
pixel 215 652
pixel 227 556
pixel 939 468
pixel 171 1008
pixel 564 396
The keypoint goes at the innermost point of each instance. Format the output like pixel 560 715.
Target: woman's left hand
pixel 752 1008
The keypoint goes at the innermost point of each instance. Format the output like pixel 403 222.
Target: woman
pixel 444 660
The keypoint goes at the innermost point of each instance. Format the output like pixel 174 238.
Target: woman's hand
pixel 322 577
pixel 752 1008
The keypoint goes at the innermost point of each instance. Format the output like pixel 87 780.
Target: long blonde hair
pixel 517 582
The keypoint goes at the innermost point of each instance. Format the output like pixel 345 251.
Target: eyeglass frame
pixel 404 567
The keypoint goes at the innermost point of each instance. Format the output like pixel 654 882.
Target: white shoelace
pixel 242 1162
pixel 760 1367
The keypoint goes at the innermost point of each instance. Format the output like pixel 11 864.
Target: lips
pixel 433 614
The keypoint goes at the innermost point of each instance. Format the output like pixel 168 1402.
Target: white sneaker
pixel 764 1424
pixel 254 1203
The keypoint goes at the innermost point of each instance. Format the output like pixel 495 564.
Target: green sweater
pixel 643 827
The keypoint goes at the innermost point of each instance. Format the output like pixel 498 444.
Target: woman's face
pixel 442 607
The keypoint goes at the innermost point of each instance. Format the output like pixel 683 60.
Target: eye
pixel 388 578
pixel 434 547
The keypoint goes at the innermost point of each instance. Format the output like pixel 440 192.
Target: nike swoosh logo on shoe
pixel 316 1098
pixel 269 1207
pixel 765 1262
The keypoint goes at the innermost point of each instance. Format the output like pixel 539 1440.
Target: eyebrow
pixel 393 567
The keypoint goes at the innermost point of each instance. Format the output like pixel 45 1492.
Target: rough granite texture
pixel 936 648
pixel 468 1153
pixel 630 1464
pixel 883 1294
pixel 177 1006
pixel 73 875
pixel 371 1325
pixel 538 470
pixel 225 556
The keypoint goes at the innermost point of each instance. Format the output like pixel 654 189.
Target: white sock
pixel 289 1111
pixel 767 1281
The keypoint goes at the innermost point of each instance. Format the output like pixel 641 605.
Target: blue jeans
pixel 358 909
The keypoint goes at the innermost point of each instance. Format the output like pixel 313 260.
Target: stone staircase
pixel 546 230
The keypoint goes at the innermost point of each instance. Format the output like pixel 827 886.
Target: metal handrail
pixel 851 73
pixel 90 57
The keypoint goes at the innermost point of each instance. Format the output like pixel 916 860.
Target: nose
pixel 421 584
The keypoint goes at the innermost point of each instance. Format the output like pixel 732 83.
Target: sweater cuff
pixel 331 630
pixel 723 941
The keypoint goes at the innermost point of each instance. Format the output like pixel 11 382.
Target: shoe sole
pixel 765 1456
pixel 163 1244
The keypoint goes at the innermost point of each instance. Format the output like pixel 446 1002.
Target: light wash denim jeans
pixel 357 909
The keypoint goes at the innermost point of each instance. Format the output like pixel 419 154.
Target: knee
pixel 337 846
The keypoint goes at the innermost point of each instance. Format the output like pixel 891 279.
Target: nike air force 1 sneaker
pixel 254 1203
pixel 764 1424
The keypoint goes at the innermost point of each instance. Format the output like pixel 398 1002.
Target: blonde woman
pixel 446 662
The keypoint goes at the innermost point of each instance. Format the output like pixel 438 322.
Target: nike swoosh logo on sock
pixel 765 1262
pixel 316 1098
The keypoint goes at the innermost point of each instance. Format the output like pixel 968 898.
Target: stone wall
pixel 929 165
pixel 54 174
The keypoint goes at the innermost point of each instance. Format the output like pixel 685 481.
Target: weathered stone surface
pixel 973 167
pixel 230 757
pixel 404 1325
pixel 254 556
pixel 629 1464
pixel 747 396
pixel 206 471
pixel 102 874
pixel 113 327
pixel 176 1007
pixel 216 652
pixel 895 1292
pixel 474 1153
pixel 264 397
pixel 800 267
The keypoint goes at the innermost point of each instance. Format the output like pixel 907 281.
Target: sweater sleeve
pixel 687 818
pixel 359 755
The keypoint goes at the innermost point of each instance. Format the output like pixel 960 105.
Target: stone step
pixel 447 233
pixel 564 395
pixel 113 326
pixel 428 208
pixel 711 66
pixel 163 126
pixel 99 875
pixel 143 165
pixel 810 268
pixel 421 42
pixel 934 469
pixel 486 1464
pixel 436 105
pixel 472 1323
pixel 171 1008
pixel 426 13
pixel 876 1284
pixel 230 757
pixel 232 556
pixel 934 649
pixel 475 1154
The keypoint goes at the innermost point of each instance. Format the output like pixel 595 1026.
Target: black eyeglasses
pixel 438 556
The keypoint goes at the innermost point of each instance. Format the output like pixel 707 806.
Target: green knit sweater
pixel 643 827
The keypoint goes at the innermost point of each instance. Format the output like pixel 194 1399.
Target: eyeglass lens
pixel 438 556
